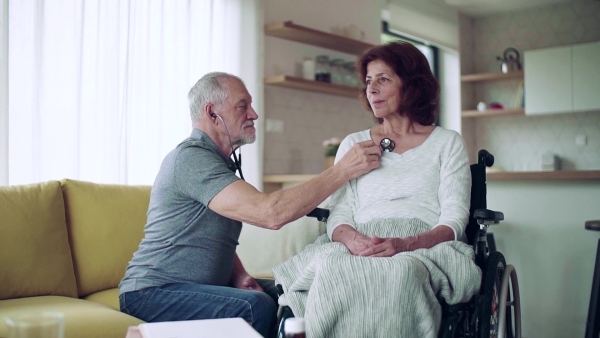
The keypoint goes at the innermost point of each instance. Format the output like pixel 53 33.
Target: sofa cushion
pixel 35 257
pixel 260 250
pixel 83 319
pixel 105 224
pixel 108 297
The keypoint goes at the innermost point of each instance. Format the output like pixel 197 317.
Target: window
pixel 430 52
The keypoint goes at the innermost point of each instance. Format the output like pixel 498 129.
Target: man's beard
pixel 243 138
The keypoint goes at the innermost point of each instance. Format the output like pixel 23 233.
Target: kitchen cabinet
pixel 297 33
pixel 562 79
pixel 586 76
pixel 477 79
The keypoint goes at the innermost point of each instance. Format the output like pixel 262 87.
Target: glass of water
pixel 36 325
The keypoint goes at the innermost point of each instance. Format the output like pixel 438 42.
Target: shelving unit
pixel 293 32
pixel 492 76
pixel 493 112
pixel 313 86
pixel 574 175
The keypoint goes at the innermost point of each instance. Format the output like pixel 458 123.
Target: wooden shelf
pixel 564 175
pixel 544 175
pixel 313 86
pixel 493 112
pixel 291 31
pixel 494 76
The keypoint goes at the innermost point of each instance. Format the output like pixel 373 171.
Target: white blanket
pixel 342 295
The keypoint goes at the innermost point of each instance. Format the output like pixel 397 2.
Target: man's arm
pixel 242 202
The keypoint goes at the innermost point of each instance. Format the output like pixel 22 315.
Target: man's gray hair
pixel 211 88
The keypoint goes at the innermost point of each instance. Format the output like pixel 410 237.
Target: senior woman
pixel 394 236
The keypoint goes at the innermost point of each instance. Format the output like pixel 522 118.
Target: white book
pixel 206 328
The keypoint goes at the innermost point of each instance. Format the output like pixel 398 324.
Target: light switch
pixel 274 126
pixel 581 140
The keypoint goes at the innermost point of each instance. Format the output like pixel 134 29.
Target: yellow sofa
pixel 64 246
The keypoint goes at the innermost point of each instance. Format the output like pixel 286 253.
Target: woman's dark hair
pixel 420 91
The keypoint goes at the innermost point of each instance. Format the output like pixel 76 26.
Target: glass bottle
pixel 308 69
pixel 351 75
pixel 322 71
pixel 294 328
pixel 337 71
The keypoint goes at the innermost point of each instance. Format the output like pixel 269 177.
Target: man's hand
pixel 246 282
pixel 360 159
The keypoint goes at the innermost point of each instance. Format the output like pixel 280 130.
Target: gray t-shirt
pixel 184 241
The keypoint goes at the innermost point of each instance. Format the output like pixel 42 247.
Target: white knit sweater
pixel 431 182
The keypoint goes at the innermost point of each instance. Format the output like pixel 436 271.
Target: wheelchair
pixel 495 311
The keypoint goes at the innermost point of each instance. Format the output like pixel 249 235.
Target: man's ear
pixel 208 109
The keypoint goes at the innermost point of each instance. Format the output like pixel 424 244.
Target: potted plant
pixel 331 146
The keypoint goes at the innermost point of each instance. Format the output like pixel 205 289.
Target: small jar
pixel 322 70
pixel 351 75
pixel 337 71
pixel 294 328
pixel 308 69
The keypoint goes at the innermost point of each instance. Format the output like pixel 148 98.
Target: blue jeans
pixel 173 302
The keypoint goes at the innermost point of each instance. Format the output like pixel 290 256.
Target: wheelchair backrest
pixel 478 191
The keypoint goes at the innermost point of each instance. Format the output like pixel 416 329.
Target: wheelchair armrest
pixel 320 214
pixel 486 216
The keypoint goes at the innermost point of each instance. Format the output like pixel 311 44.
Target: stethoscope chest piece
pixel 387 145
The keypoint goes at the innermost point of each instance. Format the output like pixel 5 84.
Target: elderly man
pixel 186 266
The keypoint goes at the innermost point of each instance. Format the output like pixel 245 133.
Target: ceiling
pixel 488 7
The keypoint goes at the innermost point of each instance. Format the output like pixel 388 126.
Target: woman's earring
pixel 387 144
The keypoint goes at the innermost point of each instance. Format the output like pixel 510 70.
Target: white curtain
pixel 97 89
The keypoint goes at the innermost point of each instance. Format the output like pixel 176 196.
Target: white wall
pixel 543 236
pixel 309 118
pixel 252 43
pixel 437 24
pixel 3 92
pixel 519 142
pixel 449 69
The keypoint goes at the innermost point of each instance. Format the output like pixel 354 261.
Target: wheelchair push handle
pixel 484 157
pixel 320 214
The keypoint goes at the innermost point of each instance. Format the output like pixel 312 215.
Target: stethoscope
pixel 387 145
pixel 237 161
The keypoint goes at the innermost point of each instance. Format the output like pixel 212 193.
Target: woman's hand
pixel 352 239
pixel 388 247
pixel 358 244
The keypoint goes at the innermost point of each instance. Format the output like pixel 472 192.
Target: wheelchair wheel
pixel 488 310
pixel 510 305
pixel 286 313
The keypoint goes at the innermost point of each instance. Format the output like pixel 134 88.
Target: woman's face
pixel 383 89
